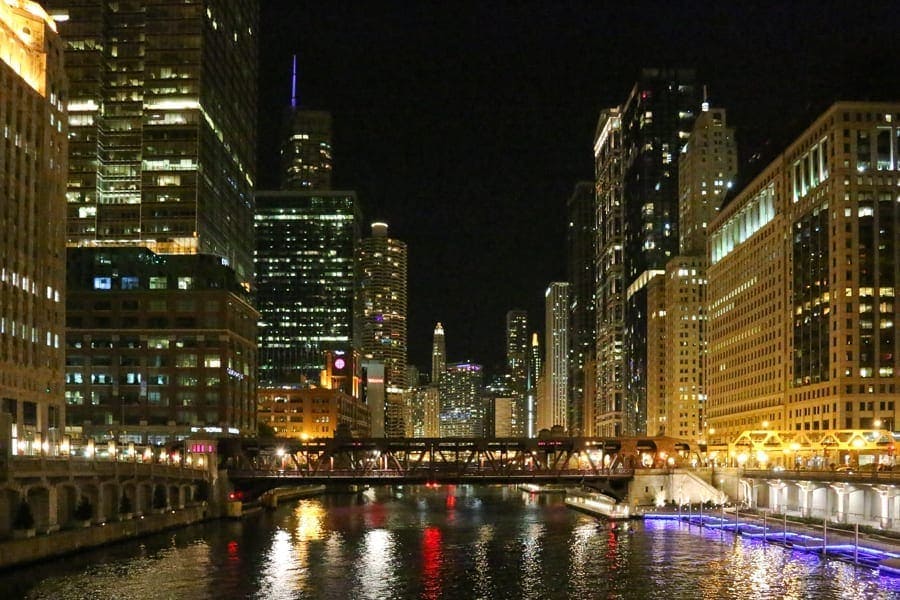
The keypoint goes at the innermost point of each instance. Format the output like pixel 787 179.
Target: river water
pixel 449 542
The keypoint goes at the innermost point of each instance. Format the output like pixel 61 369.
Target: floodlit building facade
pixel 157 345
pixel 33 96
pixel 438 354
pixel 555 408
pixel 162 125
pixel 306 244
pixel 312 412
pixel 802 283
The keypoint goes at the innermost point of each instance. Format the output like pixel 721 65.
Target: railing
pixel 427 474
pixel 873 476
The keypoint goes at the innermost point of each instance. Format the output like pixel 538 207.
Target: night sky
pixel 466 126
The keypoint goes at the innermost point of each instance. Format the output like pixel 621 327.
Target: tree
pixel 24 518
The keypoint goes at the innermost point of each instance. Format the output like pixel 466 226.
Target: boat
pixel 599 505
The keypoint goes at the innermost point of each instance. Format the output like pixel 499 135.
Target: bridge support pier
pixel 805 494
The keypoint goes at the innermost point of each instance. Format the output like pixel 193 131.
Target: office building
pixel 462 410
pixel 535 368
pixel 157 345
pixel 803 281
pixel 555 408
pixel 438 354
pixel 32 228
pixel 162 125
pixel 381 311
pixel 517 370
pixel 641 173
pixel 581 241
pixel 306 244
pixel 306 149
pixel 312 413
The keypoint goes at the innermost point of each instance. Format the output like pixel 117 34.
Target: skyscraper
pixel 462 410
pixel 517 369
pixel 438 354
pixel 32 236
pixel 554 411
pixel 534 377
pixel 306 149
pixel 306 244
pixel 581 240
pixel 162 125
pixel 643 175
pixel 381 311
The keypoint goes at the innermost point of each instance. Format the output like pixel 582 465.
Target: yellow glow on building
pixel 22 41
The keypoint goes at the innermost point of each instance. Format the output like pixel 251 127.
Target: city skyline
pixel 469 144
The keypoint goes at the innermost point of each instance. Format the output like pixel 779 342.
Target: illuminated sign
pixel 340 363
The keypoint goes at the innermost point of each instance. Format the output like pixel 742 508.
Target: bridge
pixel 256 465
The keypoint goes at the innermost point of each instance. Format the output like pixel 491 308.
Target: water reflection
pixel 377 570
pixel 530 540
pixel 432 558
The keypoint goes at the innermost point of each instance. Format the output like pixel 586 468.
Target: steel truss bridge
pixel 606 461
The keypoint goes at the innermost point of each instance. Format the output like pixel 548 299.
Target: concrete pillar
pixel 776 494
pixel 806 491
pixel 842 490
pixel 886 495
pixel 53 508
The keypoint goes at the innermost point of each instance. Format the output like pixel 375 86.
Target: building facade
pixel 381 310
pixel 517 369
pixel 312 413
pixel 462 410
pixel 581 239
pixel 33 96
pixel 306 244
pixel 554 410
pixel 306 150
pixel 157 345
pixel 802 283
pixel 162 125
pixel 438 354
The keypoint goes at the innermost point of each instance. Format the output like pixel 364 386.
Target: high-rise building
pixel 438 354
pixel 162 125
pixel 517 369
pixel 157 345
pixel 462 410
pixel 803 281
pixel 306 149
pixel 581 240
pixel 312 413
pixel 609 296
pixel 426 412
pixel 706 170
pixel 32 234
pixel 653 122
pixel 306 244
pixel 534 375
pixel 381 312
pixel 554 410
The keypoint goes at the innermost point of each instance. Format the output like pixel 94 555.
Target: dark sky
pixel 466 126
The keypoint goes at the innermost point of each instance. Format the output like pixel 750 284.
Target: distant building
pixel 426 410
pixel 374 395
pixel 162 125
pixel 157 345
pixel 535 369
pixel 517 369
pixel 306 244
pixel 438 354
pixel 306 149
pixel 554 410
pixel 312 413
pixel 803 280
pixel 381 312
pixel 461 402
pixel 581 240
pixel 32 228
pixel 500 402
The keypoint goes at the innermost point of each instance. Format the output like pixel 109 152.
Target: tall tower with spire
pixel 438 354
pixel 306 149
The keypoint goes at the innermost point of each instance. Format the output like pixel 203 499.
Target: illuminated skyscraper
pixel 462 409
pixel 534 376
pixel 306 150
pixel 581 240
pixel 517 369
pixel 438 354
pixel 32 237
pixel 162 125
pixel 382 277
pixel 636 151
pixel 306 245
pixel 554 411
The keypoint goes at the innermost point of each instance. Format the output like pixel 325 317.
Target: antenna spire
pixel 294 84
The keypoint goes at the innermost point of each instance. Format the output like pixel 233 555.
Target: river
pixel 449 542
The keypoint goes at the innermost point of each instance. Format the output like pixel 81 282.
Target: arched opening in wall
pixel 92 493
pixel 143 498
pixel 175 500
pixel 108 508
pixel 66 500
pixel 39 499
